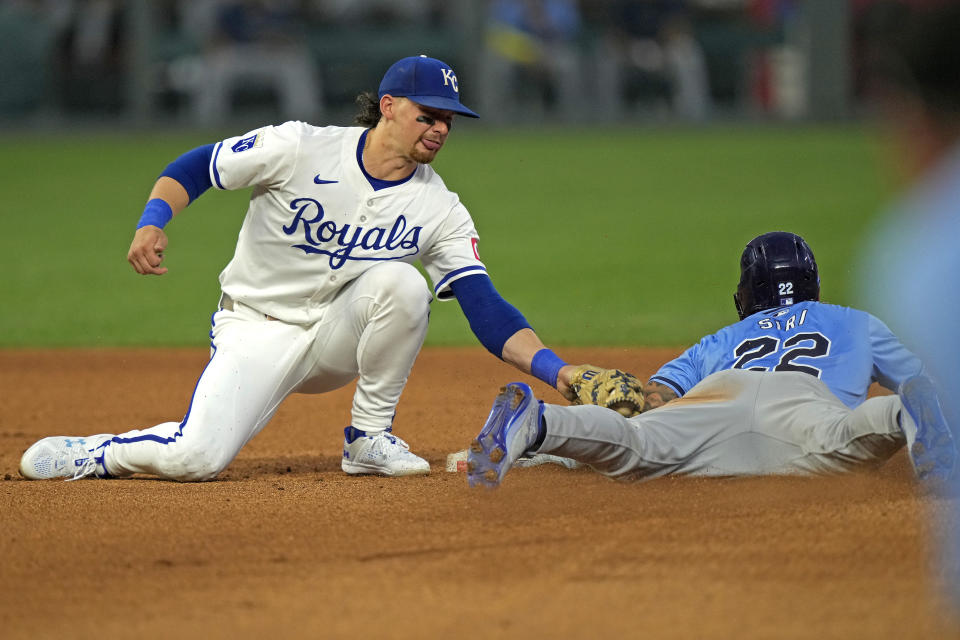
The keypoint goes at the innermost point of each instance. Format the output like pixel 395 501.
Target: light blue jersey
pixel 845 348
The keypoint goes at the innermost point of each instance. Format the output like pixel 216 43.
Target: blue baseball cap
pixel 426 81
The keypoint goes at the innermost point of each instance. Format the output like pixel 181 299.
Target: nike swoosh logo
pixel 318 180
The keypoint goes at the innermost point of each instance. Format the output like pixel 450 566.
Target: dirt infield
pixel 285 544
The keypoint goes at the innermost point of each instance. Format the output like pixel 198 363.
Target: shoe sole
pixel 355 469
pixel 933 452
pixel 487 456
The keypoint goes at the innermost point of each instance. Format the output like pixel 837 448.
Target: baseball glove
pixel 611 388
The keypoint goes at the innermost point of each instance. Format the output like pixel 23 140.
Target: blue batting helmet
pixel 776 269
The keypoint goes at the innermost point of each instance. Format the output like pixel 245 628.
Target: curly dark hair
pixel 369 114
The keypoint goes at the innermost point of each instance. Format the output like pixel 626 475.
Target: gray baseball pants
pixel 733 423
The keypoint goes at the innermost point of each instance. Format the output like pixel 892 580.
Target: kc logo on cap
pixel 448 74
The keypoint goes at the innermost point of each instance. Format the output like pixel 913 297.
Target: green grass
pixel 600 237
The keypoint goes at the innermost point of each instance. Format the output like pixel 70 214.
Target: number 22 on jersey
pixel 809 345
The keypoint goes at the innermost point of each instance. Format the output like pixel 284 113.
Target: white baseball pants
pixel 733 423
pixel 372 331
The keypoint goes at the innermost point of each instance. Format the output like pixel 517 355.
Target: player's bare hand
pixel 146 250
pixel 564 377
pixel 657 395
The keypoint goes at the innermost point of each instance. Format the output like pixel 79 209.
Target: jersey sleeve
pixel 683 372
pixel 709 355
pixel 454 255
pixel 892 362
pixel 265 157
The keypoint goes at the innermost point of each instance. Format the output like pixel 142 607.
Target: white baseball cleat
pixel 380 453
pixel 510 430
pixel 69 457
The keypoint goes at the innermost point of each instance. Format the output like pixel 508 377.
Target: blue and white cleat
pixel 510 430
pixel 933 452
pixel 65 457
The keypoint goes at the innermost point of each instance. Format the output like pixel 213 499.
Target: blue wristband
pixel 157 213
pixel 546 365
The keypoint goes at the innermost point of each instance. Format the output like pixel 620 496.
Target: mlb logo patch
pixel 255 140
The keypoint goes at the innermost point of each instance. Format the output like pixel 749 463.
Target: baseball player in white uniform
pixel 321 289
pixel 783 391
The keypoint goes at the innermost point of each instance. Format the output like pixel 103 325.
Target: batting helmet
pixel 776 269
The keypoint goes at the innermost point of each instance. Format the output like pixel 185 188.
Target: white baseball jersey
pixel 315 222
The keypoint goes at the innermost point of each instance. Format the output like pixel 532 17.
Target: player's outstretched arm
pixel 503 330
pixel 150 241
pixel 519 351
pixel 506 333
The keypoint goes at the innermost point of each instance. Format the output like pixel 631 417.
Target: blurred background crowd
pixel 211 62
